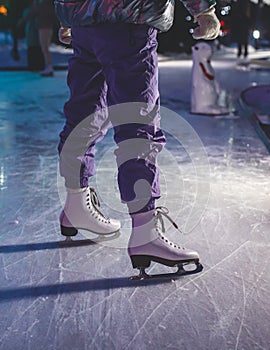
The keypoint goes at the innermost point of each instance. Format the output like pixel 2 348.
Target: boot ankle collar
pixel 76 190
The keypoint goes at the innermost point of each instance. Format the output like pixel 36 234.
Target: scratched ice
pixel 58 297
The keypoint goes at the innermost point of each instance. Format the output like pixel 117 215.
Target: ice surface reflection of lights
pixel 267 2
pixel 3 178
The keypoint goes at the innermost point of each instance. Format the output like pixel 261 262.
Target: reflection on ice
pixel 3 178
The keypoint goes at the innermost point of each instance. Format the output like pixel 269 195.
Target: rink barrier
pixel 255 101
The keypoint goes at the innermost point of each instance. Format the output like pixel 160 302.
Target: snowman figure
pixel 205 92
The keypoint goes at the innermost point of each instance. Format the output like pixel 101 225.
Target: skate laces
pixel 158 213
pixel 95 202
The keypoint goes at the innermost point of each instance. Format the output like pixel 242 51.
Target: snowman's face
pixel 201 51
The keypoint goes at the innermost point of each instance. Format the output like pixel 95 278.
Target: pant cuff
pixel 137 207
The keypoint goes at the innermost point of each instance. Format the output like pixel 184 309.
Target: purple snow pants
pixel 114 65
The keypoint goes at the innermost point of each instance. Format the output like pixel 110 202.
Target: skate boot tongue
pixel 96 203
pixel 94 198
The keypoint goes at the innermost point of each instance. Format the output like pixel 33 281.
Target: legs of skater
pixel 45 37
pixel 136 80
pixel 14 52
pixel 86 123
pixel 88 71
pixel 121 58
pixel 245 50
pixel 239 50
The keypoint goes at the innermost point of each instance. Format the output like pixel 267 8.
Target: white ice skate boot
pixel 82 211
pixel 147 243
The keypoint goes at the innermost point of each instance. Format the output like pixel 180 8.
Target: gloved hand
pixel 209 26
pixel 64 35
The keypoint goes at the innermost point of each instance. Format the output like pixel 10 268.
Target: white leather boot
pixel 82 211
pixel 147 243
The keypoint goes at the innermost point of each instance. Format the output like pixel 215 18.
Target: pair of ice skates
pixel 147 241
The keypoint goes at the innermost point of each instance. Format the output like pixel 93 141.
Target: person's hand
pixel 64 35
pixel 209 26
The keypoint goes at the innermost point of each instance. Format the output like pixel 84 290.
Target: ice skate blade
pixel 144 261
pixel 143 276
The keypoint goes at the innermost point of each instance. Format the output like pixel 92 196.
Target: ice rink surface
pixel 58 296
